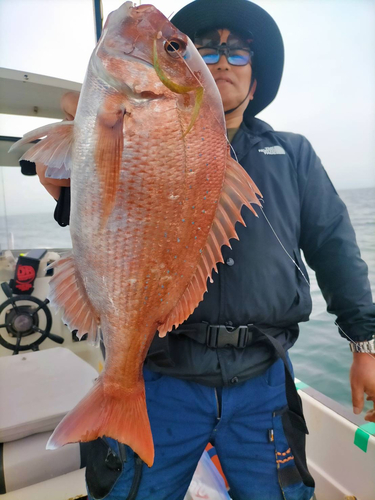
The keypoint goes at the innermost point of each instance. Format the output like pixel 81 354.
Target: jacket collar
pixel 248 135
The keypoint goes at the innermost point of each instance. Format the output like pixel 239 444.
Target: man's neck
pixel 235 118
pixel 233 121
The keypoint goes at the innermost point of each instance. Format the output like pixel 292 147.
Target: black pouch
pixel 105 464
pixel 295 430
pixel 294 425
pixel 103 467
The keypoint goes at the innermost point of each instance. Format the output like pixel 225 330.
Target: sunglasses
pixel 235 57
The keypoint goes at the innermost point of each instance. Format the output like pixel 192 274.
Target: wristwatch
pixel 366 346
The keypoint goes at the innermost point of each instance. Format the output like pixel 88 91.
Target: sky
pixel 327 92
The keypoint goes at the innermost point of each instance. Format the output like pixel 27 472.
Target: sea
pixel 321 357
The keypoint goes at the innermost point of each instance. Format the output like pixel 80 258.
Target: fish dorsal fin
pixel 54 150
pixel 67 292
pixel 238 190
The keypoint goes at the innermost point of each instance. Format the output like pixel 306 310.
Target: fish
pixel 155 194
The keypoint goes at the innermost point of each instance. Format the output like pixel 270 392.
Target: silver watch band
pixel 366 346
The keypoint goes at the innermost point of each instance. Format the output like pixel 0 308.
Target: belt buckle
pixel 222 335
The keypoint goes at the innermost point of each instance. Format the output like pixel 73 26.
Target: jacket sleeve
pixel 330 248
pixel 62 210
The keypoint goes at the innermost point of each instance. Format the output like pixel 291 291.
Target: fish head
pixel 143 53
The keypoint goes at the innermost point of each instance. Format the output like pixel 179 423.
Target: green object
pixel 361 439
pixel 362 435
pixel 301 385
pixel 369 427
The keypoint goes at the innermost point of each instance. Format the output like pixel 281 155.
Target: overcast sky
pixel 327 92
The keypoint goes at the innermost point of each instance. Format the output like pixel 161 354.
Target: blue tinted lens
pixel 239 60
pixel 211 58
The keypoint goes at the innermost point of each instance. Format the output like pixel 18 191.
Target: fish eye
pixel 175 48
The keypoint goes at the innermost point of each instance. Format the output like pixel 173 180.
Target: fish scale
pixel 154 197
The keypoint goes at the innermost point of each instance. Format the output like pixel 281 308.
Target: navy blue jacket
pixel 259 283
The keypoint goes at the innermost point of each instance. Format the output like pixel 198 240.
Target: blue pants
pixel 248 437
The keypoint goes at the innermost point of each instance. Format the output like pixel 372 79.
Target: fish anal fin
pixel 54 151
pixel 119 414
pixel 238 190
pixel 108 152
pixel 67 292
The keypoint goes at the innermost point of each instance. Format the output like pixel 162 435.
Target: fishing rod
pixel 98 17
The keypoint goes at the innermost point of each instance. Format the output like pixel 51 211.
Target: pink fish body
pixel 154 196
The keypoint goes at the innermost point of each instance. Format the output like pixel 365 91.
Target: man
pixel 223 376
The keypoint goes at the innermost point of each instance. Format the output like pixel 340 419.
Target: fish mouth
pixel 131 57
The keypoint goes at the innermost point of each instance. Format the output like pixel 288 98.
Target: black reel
pixel 23 320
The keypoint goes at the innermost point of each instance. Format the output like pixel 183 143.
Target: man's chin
pixel 229 105
pixel 234 104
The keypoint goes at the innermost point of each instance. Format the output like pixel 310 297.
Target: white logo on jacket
pixel 273 150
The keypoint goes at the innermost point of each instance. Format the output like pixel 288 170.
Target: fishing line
pixel 270 225
pixel 183 60
pixel 268 221
pixel 290 257
pixel 304 277
pixel 197 79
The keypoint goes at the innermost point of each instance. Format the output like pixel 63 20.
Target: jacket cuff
pixel 358 338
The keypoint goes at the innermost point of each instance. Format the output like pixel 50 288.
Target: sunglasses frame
pixel 225 51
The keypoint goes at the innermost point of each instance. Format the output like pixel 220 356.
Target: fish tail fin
pixel 121 415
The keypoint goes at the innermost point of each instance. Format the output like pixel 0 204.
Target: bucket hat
pixel 242 17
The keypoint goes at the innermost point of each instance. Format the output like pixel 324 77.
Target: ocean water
pixel 321 357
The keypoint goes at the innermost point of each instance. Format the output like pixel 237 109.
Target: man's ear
pixel 252 90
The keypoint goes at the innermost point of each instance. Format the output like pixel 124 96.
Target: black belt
pixel 240 336
pixel 217 336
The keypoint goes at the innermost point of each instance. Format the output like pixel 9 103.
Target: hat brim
pixel 242 16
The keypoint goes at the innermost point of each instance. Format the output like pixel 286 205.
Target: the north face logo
pixel 273 150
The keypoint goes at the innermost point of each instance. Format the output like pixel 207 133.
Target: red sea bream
pixel 154 196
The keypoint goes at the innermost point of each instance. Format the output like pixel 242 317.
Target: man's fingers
pixel 58 182
pixel 68 103
pixel 357 399
pixel 41 171
pixel 68 116
pixel 370 416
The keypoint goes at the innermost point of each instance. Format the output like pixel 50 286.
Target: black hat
pixel 242 16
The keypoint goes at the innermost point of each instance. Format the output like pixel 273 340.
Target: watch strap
pixel 365 346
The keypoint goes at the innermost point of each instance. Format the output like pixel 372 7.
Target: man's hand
pixel 68 103
pixel 362 380
pixel 53 186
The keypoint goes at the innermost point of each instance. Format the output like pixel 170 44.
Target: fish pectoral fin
pixel 108 152
pixel 238 190
pixel 119 414
pixel 54 150
pixel 68 292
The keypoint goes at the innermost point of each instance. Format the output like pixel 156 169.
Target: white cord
pixel 291 258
